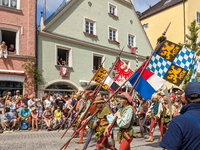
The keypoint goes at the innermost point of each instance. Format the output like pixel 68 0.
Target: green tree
pixel 192 44
pixel 33 72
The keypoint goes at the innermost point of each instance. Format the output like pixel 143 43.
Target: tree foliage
pixel 33 72
pixel 193 45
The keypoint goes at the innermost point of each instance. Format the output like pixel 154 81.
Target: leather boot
pixel 160 139
pixel 79 142
pixel 140 136
pixel 150 139
pixel 139 131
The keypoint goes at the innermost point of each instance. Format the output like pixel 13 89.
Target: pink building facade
pixel 17 27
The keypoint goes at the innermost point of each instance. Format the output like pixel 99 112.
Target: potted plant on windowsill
pixel 93 35
pixel 116 41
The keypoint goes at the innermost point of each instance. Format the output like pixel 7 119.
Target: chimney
pixel 44 10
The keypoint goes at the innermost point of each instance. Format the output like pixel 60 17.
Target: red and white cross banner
pixel 64 71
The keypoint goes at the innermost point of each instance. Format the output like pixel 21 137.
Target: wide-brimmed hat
pixel 33 108
pixel 99 100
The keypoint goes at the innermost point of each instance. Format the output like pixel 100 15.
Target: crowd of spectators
pixel 49 112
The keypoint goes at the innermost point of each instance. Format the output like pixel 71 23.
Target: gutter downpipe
pixel 184 20
pixel 36 41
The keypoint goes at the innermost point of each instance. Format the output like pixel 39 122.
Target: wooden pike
pixel 114 121
pixel 101 84
pixel 76 104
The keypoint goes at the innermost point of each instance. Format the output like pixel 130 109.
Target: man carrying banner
pixel 105 117
pixel 166 114
pixel 155 111
pixel 78 107
pixel 125 121
pixel 91 98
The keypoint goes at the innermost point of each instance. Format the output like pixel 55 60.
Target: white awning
pixel 86 82
pixel 11 71
pixel 6 77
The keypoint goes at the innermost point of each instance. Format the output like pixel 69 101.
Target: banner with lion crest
pixel 171 62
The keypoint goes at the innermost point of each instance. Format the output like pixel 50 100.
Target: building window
pixel 131 40
pixel 10 3
pixel 90 27
pixel 97 59
pixel 112 34
pixel 198 17
pixel 11 38
pixel 112 9
pixel 62 57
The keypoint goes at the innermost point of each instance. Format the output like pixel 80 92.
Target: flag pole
pixel 148 61
pixel 76 102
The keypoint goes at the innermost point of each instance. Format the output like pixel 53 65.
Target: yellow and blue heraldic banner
pixel 99 77
pixel 172 62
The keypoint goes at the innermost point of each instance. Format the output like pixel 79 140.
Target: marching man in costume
pixel 125 121
pixel 91 98
pixel 105 117
pixel 141 115
pixel 155 111
pixel 80 104
pixel 166 114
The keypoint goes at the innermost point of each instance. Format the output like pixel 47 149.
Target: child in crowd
pixel 112 105
pixel 34 115
pixel 38 106
pixel 7 104
pixel 13 105
pixel 19 104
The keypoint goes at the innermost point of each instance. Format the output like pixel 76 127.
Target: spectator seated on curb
pixel 57 118
pixel 65 114
pixel 24 114
pixel 47 116
pixel 34 116
pixel 9 119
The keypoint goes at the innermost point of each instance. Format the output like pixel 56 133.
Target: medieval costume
pixel 155 111
pixel 141 115
pixel 89 113
pixel 125 121
pixel 79 106
pixel 166 114
pixel 105 117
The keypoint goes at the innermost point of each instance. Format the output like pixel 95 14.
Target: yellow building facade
pixel 180 13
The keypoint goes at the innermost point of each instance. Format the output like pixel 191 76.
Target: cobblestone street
pixel 43 140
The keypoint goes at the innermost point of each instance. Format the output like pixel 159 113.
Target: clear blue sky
pixel 52 5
